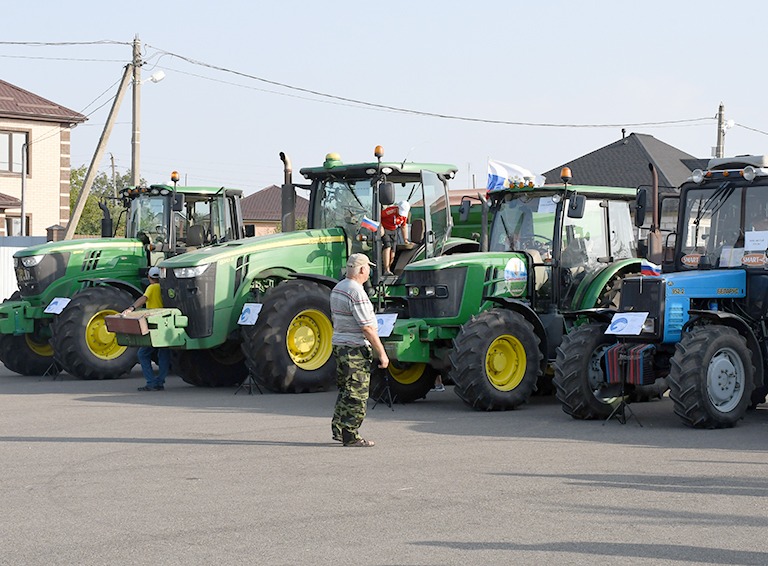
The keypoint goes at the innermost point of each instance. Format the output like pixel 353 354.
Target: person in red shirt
pixel 393 218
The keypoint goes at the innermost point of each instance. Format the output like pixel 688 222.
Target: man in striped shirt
pixel 355 334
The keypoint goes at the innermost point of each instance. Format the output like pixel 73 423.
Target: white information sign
pixel 756 240
pixel 627 323
pixel 250 314
pixel 731 257
pixel 57 305
pixel 386 323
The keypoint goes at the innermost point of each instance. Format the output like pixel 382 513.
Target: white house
pixel 43 127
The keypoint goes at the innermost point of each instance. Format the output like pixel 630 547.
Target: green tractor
pixel 212 295
pixel 66 289
pixel 700 322
pixel 490 322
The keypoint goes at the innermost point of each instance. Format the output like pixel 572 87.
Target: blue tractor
pixel 699 322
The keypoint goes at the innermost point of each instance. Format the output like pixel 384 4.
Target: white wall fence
pixel 9 245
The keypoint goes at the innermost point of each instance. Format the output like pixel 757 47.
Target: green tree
pixel 102 190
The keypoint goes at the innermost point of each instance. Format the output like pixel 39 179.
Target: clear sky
pixel 558 62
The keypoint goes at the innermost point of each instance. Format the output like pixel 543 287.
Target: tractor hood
pixel 237 248
pixel 81 246
pixel 463 260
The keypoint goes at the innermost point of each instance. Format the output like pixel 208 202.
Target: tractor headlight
pixel 190 272
pixel 649 326
pixel 697 176
pixel 32 260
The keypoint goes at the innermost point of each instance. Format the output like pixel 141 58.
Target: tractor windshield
pixel 149 215
pixel 346 203
pixel 524 222
pixel 726 224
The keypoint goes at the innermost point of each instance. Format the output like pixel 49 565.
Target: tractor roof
pixel 333 167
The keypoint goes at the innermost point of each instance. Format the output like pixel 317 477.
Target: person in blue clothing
pixel 153 299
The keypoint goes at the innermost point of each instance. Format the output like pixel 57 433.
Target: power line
pixel 420 112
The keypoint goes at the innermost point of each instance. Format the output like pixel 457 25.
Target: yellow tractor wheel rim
pixel 406 373
pixel 309 339
pixel 100 341
pixel 505 362
pixel 42 349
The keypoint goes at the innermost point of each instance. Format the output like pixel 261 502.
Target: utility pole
pixel 100 147
pixel 114 184
pixel 136 137
pixel 720 148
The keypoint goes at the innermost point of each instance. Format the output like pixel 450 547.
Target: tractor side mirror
pixel 464 207
pixel 386 193
pixel 178 202
pixel 250 230
pixel 576 206
pixel 641 203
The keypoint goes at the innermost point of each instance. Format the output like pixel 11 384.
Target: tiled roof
pixel 7 201
pixel 16 102
pixel 267 205
pixel 624 163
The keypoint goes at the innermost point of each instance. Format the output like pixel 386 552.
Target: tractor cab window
pixel 344 204
pixel 524 222
pixel 711 227
pixel 149 215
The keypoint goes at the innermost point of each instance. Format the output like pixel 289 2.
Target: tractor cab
pixel 356 197
pixel 568 233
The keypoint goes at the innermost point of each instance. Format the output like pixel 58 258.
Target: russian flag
pixel 369 224
pixel 503 175
pixel 649 268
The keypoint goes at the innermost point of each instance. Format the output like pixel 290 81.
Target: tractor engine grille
pixel 645 294
pixel 34 280
pixel 194 297
pixel 435 294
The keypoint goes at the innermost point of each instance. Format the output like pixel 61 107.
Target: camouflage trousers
pixel 353 378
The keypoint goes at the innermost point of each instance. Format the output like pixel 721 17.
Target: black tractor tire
pixel 223 366
pixel 712 377
pixel 579 372
pixel 289 348
pixel 27 354
pixel 83 347
pixel 495 361
pixel 407 382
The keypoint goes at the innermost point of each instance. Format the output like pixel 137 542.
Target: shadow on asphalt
pixel 441 413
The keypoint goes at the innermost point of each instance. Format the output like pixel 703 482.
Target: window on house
pixel 11 145
pixel 13 226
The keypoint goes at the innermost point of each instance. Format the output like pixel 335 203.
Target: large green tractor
pixel 66 289
pixel 286 278
pixel 490 322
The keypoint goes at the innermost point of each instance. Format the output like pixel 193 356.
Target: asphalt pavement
pixel 96 472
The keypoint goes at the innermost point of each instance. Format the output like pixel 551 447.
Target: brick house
pixel 44 127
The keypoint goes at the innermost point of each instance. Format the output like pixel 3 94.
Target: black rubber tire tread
pixel 470 347
pixel 18 357
pixel 264 344
pixel 69 335
pixel 218 367
pixel 404 392
pixel 574 356
pixel 688 376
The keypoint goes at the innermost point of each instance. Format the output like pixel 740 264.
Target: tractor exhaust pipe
pixel 288 196
pixel 654 235
pixel 106 221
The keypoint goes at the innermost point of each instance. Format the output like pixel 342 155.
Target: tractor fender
pixel 737 323
pixel 329 282
pixel 589 290
pixel 460 246
pixel 129 288
pixel 530 315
